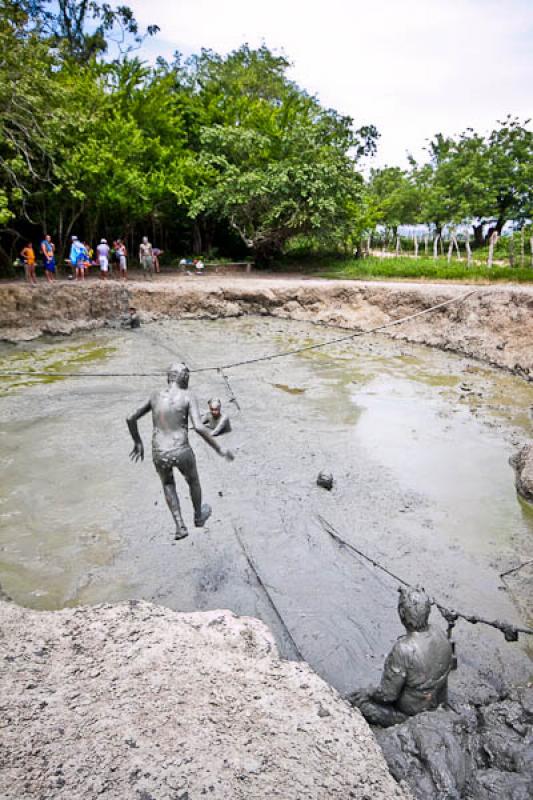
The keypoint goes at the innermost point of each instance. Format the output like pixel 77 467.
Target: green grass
pixel 397 268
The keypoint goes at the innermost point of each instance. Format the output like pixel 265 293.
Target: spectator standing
pixel 156 252
pixel 122 253
pixel 115 256
pixel 78 257
pixel 102 252
pixel 28 255
pixel 48 250
pixel 146 257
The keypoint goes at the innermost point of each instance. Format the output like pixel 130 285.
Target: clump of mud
pixel 523 465
pixel 480 751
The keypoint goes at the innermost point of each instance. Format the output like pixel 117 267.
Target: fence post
pixel 468 250
pixel 492 241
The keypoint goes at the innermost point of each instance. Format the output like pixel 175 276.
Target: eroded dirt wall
pixel 494 325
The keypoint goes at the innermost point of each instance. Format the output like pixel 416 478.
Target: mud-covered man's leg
pixel 380 714
pixel 187 467
pixel 171 496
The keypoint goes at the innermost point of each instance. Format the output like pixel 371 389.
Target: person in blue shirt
pixel 78 257
pixel 48 250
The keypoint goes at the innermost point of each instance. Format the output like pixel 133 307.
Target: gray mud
pixel 418 442
pixel 481 751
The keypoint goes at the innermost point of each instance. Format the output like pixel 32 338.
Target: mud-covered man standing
pixel 171 410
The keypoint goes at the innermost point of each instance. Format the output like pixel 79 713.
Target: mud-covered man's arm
pixel 138 447
pixel 223 426
pixel 206 434
pixel 390 688
pixel 392 679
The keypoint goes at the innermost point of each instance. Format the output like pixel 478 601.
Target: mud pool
pixel 418 442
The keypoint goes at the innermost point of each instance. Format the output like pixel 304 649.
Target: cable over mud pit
pixel 451 616
pixel 220 367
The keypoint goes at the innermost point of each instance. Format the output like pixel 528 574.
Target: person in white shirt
pixel 102 252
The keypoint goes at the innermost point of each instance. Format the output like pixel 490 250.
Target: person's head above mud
pixel 215 406
pixel 413 607
pixel 178 373
pixel 215 420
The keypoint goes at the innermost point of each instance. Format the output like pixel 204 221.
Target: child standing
pixel 28 254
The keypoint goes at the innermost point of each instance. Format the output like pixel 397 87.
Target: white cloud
pixel 411 67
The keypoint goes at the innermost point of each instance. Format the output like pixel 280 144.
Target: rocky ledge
pixel 136 701
pixel 523 466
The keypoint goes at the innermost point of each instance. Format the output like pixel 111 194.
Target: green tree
pixel 396 197
pixel 482 180
pixel 272 161
pixel 83 29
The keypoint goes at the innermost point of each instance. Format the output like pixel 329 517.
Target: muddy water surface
pixel 418 442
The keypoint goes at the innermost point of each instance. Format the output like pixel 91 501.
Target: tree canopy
pixel 212 152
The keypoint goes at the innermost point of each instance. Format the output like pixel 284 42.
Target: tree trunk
pixel 415 242
pixel 426 243
pixel 436 246
pixel 455 242
pixel 478 235
pixel 398 246
pixel 511 251
pixel 450 250
pixel 522 249
pixel 531 246
pixel 196 239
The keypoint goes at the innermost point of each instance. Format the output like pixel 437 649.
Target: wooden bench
pixel 219 268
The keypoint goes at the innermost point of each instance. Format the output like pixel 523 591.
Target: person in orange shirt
pixel 28 254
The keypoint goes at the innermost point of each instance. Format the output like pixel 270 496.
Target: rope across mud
pixel 271 356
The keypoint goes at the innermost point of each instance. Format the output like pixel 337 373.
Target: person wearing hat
pixel 102 251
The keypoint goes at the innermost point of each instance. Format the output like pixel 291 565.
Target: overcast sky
pixel 411 67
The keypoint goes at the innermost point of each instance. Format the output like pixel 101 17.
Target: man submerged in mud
pixel 415 675
pixel 171 410
pixel 217 422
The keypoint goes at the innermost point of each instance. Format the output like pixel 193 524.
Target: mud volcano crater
pixel 418 441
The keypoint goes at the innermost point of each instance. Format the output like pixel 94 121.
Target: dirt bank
pixel 138 701
pixel 494 325
pixel 523 465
